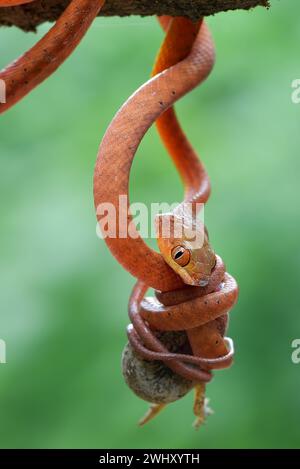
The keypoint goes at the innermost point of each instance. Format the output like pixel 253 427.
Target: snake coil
pixel 174 311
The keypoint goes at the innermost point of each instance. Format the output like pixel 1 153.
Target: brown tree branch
pixel 29 16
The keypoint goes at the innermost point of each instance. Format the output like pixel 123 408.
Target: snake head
pixel 184 245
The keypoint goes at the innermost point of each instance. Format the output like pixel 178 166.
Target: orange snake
pixel 37 64
pixel 185 60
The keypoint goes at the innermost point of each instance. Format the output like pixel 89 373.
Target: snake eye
pixel 181 256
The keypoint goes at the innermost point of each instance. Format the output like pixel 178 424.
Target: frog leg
pixel 201 408
pixel 152 412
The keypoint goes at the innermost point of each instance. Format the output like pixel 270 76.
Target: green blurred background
pixel 64 298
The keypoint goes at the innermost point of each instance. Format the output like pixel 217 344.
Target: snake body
pixel 13 3
pixel 185 60
pixel 37 64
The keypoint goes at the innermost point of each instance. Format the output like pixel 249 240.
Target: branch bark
pixel 28 17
